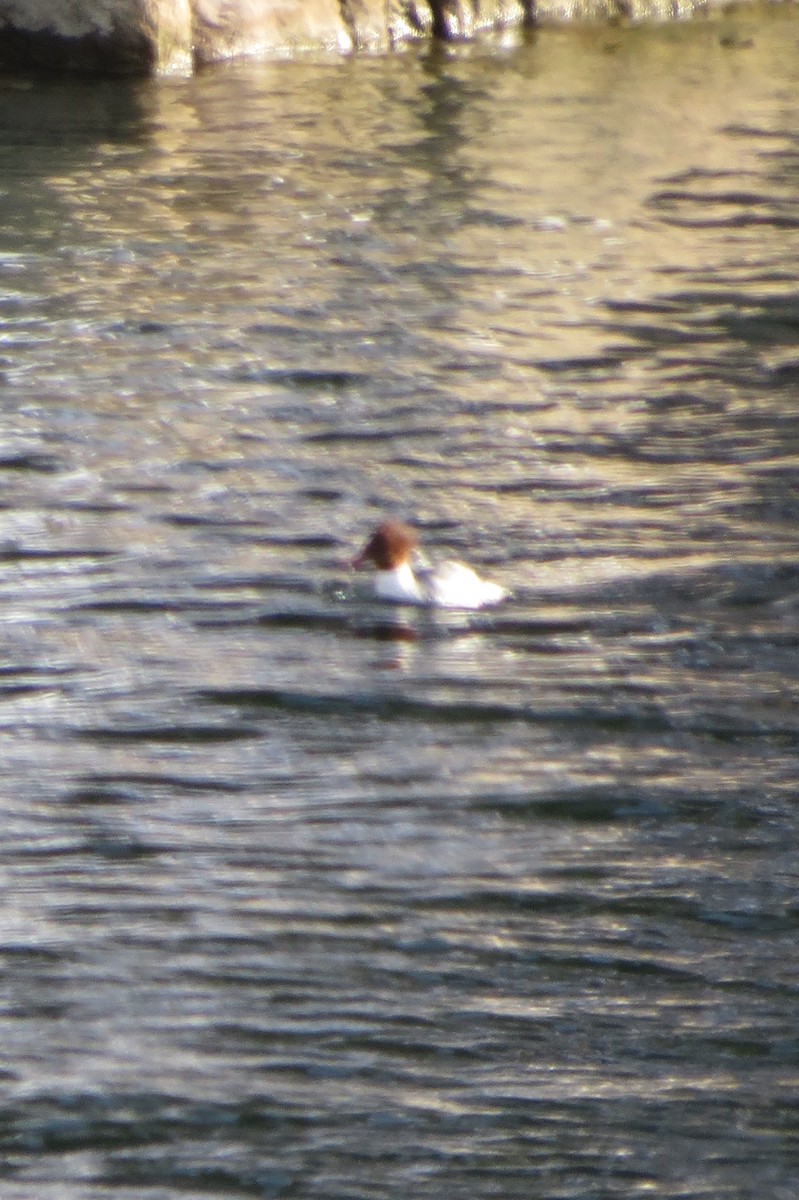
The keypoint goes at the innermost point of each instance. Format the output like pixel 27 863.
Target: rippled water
pixel 304 897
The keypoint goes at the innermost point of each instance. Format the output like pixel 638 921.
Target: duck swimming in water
pixel 403 577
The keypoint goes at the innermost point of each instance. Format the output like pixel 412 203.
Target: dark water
pixel 305 898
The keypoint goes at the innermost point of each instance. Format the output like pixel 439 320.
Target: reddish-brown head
pixel 391 544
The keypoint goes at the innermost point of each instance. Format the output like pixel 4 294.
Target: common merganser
pixel 403 577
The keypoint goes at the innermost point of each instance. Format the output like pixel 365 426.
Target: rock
pixel 161 36
pixel 269 28
pixel 454 19
pixel 117 36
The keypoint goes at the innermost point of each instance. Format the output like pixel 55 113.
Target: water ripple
pixel 304 895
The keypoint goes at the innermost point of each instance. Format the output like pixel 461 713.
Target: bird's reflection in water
pixel 398 636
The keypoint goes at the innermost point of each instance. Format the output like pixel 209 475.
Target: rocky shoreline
pixel 141 37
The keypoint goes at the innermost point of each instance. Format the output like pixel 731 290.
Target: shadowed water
pixel 307 897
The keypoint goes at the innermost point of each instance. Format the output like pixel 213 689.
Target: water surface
pixel 304 897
